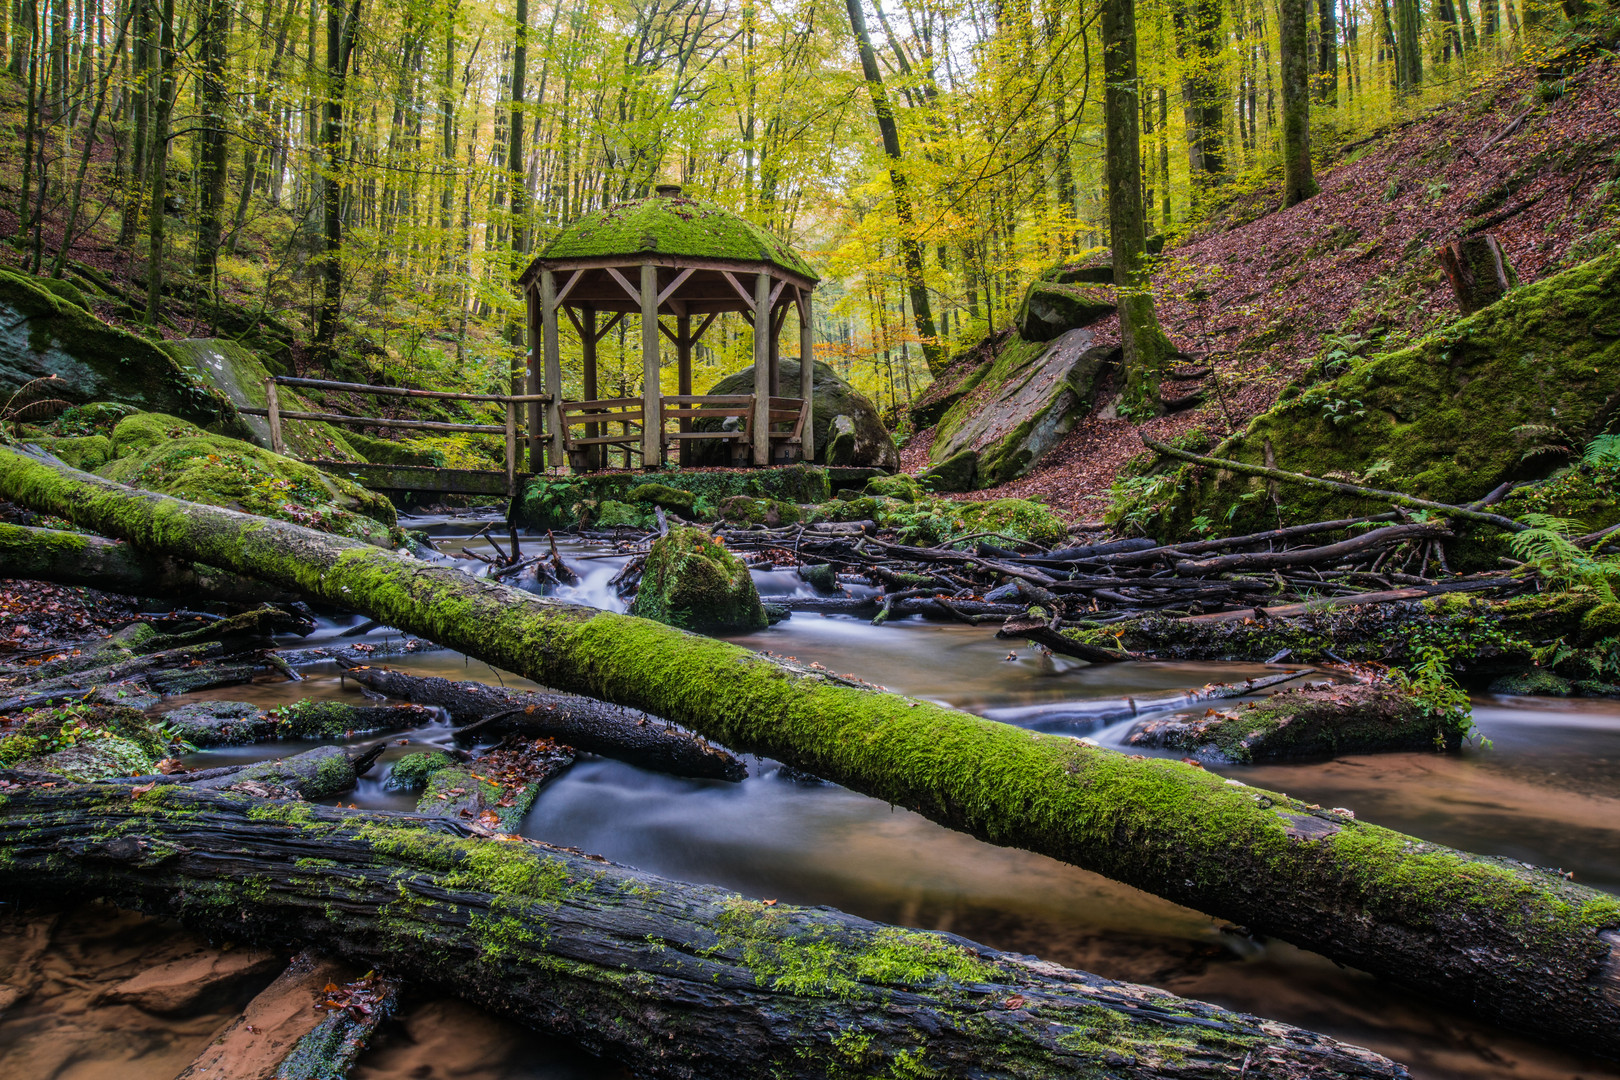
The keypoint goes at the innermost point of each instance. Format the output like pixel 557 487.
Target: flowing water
pixel 1546 790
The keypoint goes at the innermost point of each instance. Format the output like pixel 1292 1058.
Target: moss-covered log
pixel 1522 946
pixel 676 980
pixel 67 558
pixel 583 723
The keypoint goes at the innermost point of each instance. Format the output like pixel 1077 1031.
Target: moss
pixel 84 742
pixel 670 498
pixel 1537 683
pixel 411 772
pixel 745 510
pixel 907 489
pixel 168 455
pixel 86 452
pixel 691 581
pixel 1448 418
pixel 571 502
pixel 612 514
pixel 672 225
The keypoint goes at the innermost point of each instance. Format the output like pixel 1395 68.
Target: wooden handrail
pixel 397 391
pixel 377 421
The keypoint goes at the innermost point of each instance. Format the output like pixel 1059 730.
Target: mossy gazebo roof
pixel 674 226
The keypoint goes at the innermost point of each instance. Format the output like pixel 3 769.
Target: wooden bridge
pixel 586 433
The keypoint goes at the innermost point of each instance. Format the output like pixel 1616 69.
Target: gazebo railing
pixel 598 415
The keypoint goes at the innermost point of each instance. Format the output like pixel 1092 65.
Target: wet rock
pixel 254 1045
pixel 43 334
pixel 840 442
pixel 1030 398
pixel 194 983
pixel 822 577
pixel 870 445
pixel 1050 309
pixel 1538 683
pixel 691 581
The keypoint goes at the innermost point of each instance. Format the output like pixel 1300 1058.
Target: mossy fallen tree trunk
pixel 66 558
pixel 1521 946
pixel 676 980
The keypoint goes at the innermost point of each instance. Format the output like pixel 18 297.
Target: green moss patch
pixel 84 742
pixel 572 502
pixel 412 772
pixel 166 454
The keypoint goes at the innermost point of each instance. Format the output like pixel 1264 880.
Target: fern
pixel 1548 548
pixel 1603 452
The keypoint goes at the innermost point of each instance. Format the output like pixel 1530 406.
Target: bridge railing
pixel 513 404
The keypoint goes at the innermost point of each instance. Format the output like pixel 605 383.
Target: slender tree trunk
pixel 1147 350
pixel 910 245
pixel 1327 56
pixel 66 247
pixel 214 23
pixel 341 28
pixel 160 163
pixel 1299 183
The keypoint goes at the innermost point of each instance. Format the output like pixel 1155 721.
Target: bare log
pixel 1273 560
pixel 583 723
pixel 675 980
pixel 1394 497
pixel 1430 917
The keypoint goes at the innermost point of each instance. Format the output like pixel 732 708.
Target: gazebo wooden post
pixel 761 426
pixel 587 322
pixel 683 366
pixel 553 365
pixel 776 356
pixel 807 373
pixel 652 419
pixel 531 301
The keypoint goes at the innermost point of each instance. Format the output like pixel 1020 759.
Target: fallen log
pixel 1311 722
pixel 495 790
pixel 675 980
pixel 1395 498
pixel 583 723
pixel 1433 918
pixel 233 723
pixel 1071 716
pixel 1273 560
pixel 67 558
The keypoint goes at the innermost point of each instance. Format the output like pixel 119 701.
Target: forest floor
pixel 1260 293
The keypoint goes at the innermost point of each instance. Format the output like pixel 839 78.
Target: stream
pixel 1546 789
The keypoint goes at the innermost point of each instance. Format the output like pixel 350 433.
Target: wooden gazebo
pixel 667 255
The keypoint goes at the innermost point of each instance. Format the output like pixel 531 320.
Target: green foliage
pixel 1548 549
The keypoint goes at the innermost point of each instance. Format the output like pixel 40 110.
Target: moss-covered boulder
pixel 1052 308
pixel 1028 399
pixel 240 375
pixel 662 495
pixel 870 445
pixel 84 742
pixel 691 581
pixel 43 334
pixel 166 454
pixel 582 501
pixel 747 510
pixel 959 472
pixel 87 452
pixel 1094 267
pixel 1448 418
pixel 411 772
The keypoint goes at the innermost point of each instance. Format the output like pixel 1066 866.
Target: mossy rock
pixel 1094 267
pixel 1051 309
pixel 86 452
pixel 571 502
pixel 956 473
pixel 691 581
pixel 167 455
pixel 930 522
pixel 95 418
pixel 746 510
pixel 240 375
pixel 840 448
pixel 613 514
pixel 84 743
pixel 1028 399
pixel 900 486
pixel 1533 683
pixel 662 495
pixel 1448 418
pixel 1601 622
pixel 870 444
pixel 42 334
pixel 411 772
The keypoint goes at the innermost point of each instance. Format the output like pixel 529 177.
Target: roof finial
pixel 668 191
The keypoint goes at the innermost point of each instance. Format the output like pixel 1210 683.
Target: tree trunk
pixel 1432 918
pixel 1327 55
pixel 1147 351
pixel 215 18
pixel 675 980
pixel 910 245
pixel 1478 271
pixel 1299 183
pixel 159 163
pixel 67 558
pixel 583 723
pixel 341 28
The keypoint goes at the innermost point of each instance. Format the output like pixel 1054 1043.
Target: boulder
pixel 673 499
pixel 1031 396
pixel 44 334
pixel 1094 267
pixel 840 449
pixel 956 473
pixel 240 375
pixel 1050 309
pixel 691 581
pixel 871 447
pixel 166 454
